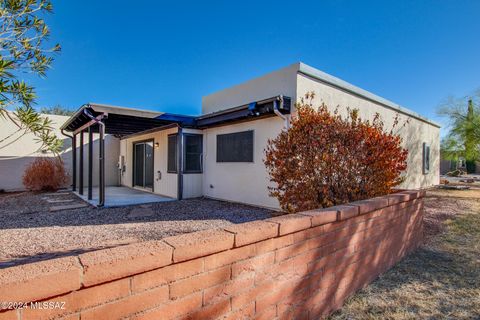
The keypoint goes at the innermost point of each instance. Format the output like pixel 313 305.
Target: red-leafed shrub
pixel 45 173
pixel 325 159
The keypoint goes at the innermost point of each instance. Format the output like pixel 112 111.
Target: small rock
pixel 56 194
pixel 59 201
pixel 141 212
pixel 68 207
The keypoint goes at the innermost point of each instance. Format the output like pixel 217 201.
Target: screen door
pixel 143 164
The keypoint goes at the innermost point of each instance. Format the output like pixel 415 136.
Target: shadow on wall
pixel 112 152
pixel 416 178
pixel 340 267
pixel 13 167
pixel 49 255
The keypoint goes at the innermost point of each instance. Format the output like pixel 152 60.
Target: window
pixel 235 147
pixel 426 158
pixel 193 149
pixel 462 163
pixel 172 154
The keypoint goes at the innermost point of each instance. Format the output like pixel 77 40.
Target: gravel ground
pixel 30 232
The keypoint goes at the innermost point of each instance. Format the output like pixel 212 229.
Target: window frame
pixel 233 133
pixel 173 135
pixel 185 135
pixel 426 158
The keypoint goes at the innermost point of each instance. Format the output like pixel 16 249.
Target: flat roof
pixel 341 84
pixel 118 121
pixel 122 122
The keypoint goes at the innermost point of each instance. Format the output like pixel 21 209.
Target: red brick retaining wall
pixel 297 266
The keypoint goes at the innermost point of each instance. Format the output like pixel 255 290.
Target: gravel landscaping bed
pixel 30 232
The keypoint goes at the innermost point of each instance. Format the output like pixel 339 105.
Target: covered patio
pixel 119 122
pixel 121 196
pixel 125 123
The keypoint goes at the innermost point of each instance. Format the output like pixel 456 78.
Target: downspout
pixel 179 163
pixel 66 135
pixel 285 118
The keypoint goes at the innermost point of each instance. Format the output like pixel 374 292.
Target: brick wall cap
pixel 396 198
pixel 322 216
pixel 43 279
pixel 369 205
pixel 201 243
pixel 114 263
pixel 26 272
pixel 254 231
pixel 347 211
pixel 414 193
pixel 290 223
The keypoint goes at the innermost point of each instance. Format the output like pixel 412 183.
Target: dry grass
pixel 441 280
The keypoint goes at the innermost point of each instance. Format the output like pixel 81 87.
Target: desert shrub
pixel 45 173
pixel 456 173
pixel 325 159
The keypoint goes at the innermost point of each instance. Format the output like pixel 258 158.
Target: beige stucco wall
pixel 282 81
pixel 414 134
pixel 247 182
pixel 21 148
pixel 240 182
pixel 112 148
pixel 166 184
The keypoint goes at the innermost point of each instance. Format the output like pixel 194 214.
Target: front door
pixel 143 164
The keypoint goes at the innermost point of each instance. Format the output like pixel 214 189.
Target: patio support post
pixel 101 168
pixel 80 171
pixel 180 163
pixel 74 162
pixel 90 162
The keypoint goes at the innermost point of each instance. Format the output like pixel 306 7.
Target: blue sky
pixel 166 55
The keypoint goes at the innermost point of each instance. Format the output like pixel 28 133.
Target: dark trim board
pixel 180 164
pixel 123 122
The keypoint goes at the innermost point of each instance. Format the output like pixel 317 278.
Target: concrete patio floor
pixel 123 196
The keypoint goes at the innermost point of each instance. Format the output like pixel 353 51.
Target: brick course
pixel 300 266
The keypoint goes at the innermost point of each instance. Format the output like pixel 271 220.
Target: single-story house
pixel 219 154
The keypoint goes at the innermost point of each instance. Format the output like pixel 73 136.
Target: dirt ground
pixel 30 232
pixel 441 280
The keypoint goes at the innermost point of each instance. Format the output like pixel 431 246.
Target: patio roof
pixel 120 121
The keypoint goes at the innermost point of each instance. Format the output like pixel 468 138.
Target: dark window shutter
pixel 235 147
pixel 172 154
